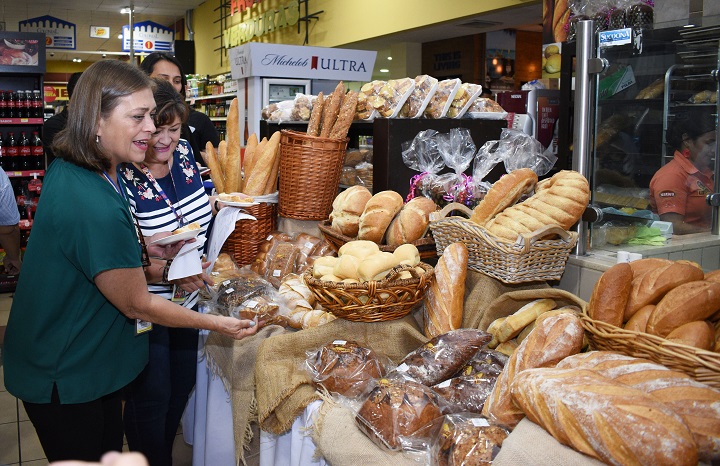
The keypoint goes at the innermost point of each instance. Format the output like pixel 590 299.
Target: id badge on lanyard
pixel 142 326
pixel 179 295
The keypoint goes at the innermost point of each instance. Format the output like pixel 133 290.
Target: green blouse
pixel 61 329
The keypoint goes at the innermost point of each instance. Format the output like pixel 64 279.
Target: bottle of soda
pixel 11 109
pixel 24 153
pixel 11 151
pixel 3 105
pixel 20 105
pixel 38 106
pixel 2 154
pixel 29 103
pixel 37 151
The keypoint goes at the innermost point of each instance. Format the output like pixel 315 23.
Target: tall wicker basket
pixel 309 174
pixel 244 242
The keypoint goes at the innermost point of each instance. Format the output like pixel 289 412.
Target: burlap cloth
pixel 234 362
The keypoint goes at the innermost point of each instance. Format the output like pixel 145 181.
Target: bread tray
pixel 530 258
pixel 702 365
pixel 426 245
pixel 374 301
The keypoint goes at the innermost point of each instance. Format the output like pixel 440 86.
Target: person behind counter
pixel 199 129
pixel 166 192
pixel 678 190
pixel 77 331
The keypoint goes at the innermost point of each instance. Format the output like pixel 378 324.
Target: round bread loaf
pixel 344 367
pixel 347 208
pixel 504 193
pixel 379 212
pixel 411 223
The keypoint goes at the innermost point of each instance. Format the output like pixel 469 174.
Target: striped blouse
pixel 184 188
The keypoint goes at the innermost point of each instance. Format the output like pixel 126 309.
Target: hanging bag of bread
pixel 422 155
pixel 457 150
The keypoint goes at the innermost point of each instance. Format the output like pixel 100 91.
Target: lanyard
pixel 145 257
pixel 117 187
pixel 178 215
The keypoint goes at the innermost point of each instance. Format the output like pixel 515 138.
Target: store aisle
pixel 18 440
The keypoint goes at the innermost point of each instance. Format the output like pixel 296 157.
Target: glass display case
pixel 628 98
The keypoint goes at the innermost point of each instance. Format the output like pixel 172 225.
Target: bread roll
pixel 376 266
pixel 699 334
pixel 411 223
pixel 324 266
pixel 504 193
pixel 604 419
pixel 686 303
pixel 650 287
pixel 407 254
pixel 379 212
pixel 527 314
pixel 638 322
pixel 347 267
pixel 553 339
pixel 316 318
pixel 445 298
pixel 610 295
pixel 347 208
pixel 358 248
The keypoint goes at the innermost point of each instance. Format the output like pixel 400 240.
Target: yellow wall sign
pixel 286 15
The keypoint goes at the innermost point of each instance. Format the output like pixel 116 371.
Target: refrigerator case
pixel 276 90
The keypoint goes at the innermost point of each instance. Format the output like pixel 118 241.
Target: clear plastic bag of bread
pixel 520 150
pixel 458 150
pixel 298 304
pixel 344 367
pixel 466 439
pixel 223 269
pixel 302 106
pixel 400 413
pixel 280 111
pixel 422 155
pixel 310 247
pixel 248 296
pixel 442 356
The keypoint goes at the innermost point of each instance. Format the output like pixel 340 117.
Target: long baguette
pixel 257 153
pixel 524 316
pixel 316 115
pixel 248 158
pixel 261 172
pixel 271 185
pixel 216 173
pixel 331 109
pixel 345 117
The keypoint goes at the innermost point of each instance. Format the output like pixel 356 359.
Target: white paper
pixel 222 228
pixel 188 261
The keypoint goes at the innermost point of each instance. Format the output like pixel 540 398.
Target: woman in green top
pixel 75 335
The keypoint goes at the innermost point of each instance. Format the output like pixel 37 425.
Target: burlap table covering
pixel 234 362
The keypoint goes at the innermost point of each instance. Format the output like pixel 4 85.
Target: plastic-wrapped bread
pixel 553 339
pixel 414 106
pixel 331 109
pixel 316 115
pixel 345 117
pixel 441 100
pixel 444 300
pixel 392 96
pixel 365 111
pixel 607 420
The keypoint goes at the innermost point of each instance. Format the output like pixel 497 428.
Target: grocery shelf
pixel 24 173
pixel 218 118
pixel 208 97
pixel 21 121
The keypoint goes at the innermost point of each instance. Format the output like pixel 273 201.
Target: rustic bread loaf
pixel 689 302
pixel 553 339
pixel 444 300
pixel 611 294
pixel 504 193
pixel 411 223
pixel 377 215
pixel 642 266
pixel 650 287
pixel 615 423
pixel 348 206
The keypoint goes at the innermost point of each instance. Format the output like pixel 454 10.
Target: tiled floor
pixel 19 445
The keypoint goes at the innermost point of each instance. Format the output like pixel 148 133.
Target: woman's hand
pixel 237 328
pixel 195 282
pixel 111 458
pixel 164 252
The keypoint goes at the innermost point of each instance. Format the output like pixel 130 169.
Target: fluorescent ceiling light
pixel 126 10
pixel 390 58
pixel 384 70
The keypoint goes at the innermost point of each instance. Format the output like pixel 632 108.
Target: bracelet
pixel 166 271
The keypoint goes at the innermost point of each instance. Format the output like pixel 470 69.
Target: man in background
pixel 57 122
pixel 9 229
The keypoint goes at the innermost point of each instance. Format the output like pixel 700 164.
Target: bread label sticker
pixel 251 304
pixel 444 384
pixel 269 238
pixel 214 274
pixel 276 273
pixel 339 342
pixel 402 367
pixel 479 422
pixel 225 283
pixel 229 290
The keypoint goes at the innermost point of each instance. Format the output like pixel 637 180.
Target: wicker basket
pixel 426 246
pixel 703 366
pixel 309 174
pixel 374 301
pixel 244 242
pixel 527 260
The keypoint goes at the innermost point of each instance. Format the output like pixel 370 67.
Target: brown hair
pixel 169 104
pixel 96 95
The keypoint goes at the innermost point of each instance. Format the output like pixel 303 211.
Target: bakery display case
pixel 627 95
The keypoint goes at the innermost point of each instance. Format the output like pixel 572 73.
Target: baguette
pixel 612 422
pixel 272 182
pixel 650 287
pixel 553 340
pixel 316 116
pixel 492 328
pixel 216 172
pixel 345 116
pixel 331 110
pixel 248 159
pixel 256 183
pixel 507 347
pixel 527 314
pixel 611 294
pixel 504 193
pixel 222 156
pixel 445 298
pixel 252 161
pixel 561 15
pixel 233 161
pixel 689 302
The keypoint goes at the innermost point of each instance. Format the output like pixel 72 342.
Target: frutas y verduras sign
pixel 286 15
pixel 302 62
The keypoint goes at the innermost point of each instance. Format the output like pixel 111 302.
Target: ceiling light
pixel 126 10
pixel 689 26
pixel 390 58
pixel 77 60
pixel 384 70
pixel 120 36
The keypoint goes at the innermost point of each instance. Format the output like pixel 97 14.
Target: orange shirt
pixel 679 187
